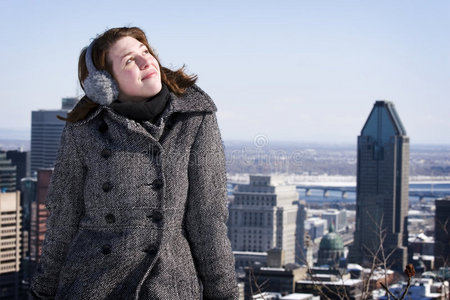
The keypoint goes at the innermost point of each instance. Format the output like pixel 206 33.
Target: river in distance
pixel 317 195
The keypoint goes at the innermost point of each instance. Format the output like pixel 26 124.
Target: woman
pixel 138 195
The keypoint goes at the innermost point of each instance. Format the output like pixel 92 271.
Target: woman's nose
pixel 143 63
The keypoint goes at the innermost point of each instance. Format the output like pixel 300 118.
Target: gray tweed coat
pixel 138 211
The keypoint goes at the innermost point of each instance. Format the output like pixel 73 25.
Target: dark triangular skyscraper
pixel 382 188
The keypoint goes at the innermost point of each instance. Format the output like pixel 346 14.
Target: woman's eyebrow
pixel 130 52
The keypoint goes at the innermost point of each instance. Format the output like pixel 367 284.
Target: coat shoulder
pixel 88 119
pixel 193 100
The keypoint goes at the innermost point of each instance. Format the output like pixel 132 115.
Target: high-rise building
pixel 266 214
pixel 442 233
pixel 68 102
pixel 10 236
pixel 7 174
pixel 39 215
pixel 27 200
pixel 46 131
pixel 20 159
pixel 382 188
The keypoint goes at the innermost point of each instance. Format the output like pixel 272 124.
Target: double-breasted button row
pixel 157 184
pixel 106 187
pixel 151 250
pixel 156 216
pixel 106 249
pixel 106 153
pixel 110 218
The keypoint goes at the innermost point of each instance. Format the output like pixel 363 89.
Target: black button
pixel 106 249
pixel 103 128
pixel 157 184
pixel 156 216
pixel 106 153
pixel 152 250
pixel 110 218
pixel 107 187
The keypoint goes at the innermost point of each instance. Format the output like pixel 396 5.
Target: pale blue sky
pixel 304 71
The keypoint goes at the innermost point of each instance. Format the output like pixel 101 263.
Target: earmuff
pixel 99 85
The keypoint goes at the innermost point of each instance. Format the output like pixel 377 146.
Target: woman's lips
pixel 150 75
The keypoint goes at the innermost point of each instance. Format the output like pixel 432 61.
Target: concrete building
pixel 421 219
pixel 382 188
pixel 421 244
pixel 241 287
pixel 267 296
pixel 442 233
pixel 351 288
pixel 279 296
pixel 423 288
pixel 336 217
pixel 7 174
pixel 46 131
pixel 276 277
pixel 245 258
pixel 316 227
pixel 265 214
pixel 300 296
pixel 281 280
pixel 10 246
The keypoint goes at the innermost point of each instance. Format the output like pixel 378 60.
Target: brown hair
pixel 177 81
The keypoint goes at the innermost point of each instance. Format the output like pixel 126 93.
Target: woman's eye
pixel 129 61
pixel 146 52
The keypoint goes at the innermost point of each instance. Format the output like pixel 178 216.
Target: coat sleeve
pixel 207 213
pixel 65 204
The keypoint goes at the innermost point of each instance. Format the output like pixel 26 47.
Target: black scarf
pixel 148 110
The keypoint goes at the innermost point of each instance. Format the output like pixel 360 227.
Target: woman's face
pixel 135 70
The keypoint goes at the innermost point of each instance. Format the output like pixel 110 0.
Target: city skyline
pixel 296 70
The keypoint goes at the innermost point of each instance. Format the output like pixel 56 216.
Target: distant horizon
pixel 251 142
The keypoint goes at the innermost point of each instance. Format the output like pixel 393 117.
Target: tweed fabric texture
pixel 138 210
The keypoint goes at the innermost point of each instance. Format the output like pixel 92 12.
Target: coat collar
pixel 193 100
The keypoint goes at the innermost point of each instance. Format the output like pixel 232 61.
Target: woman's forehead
pixel 124 46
